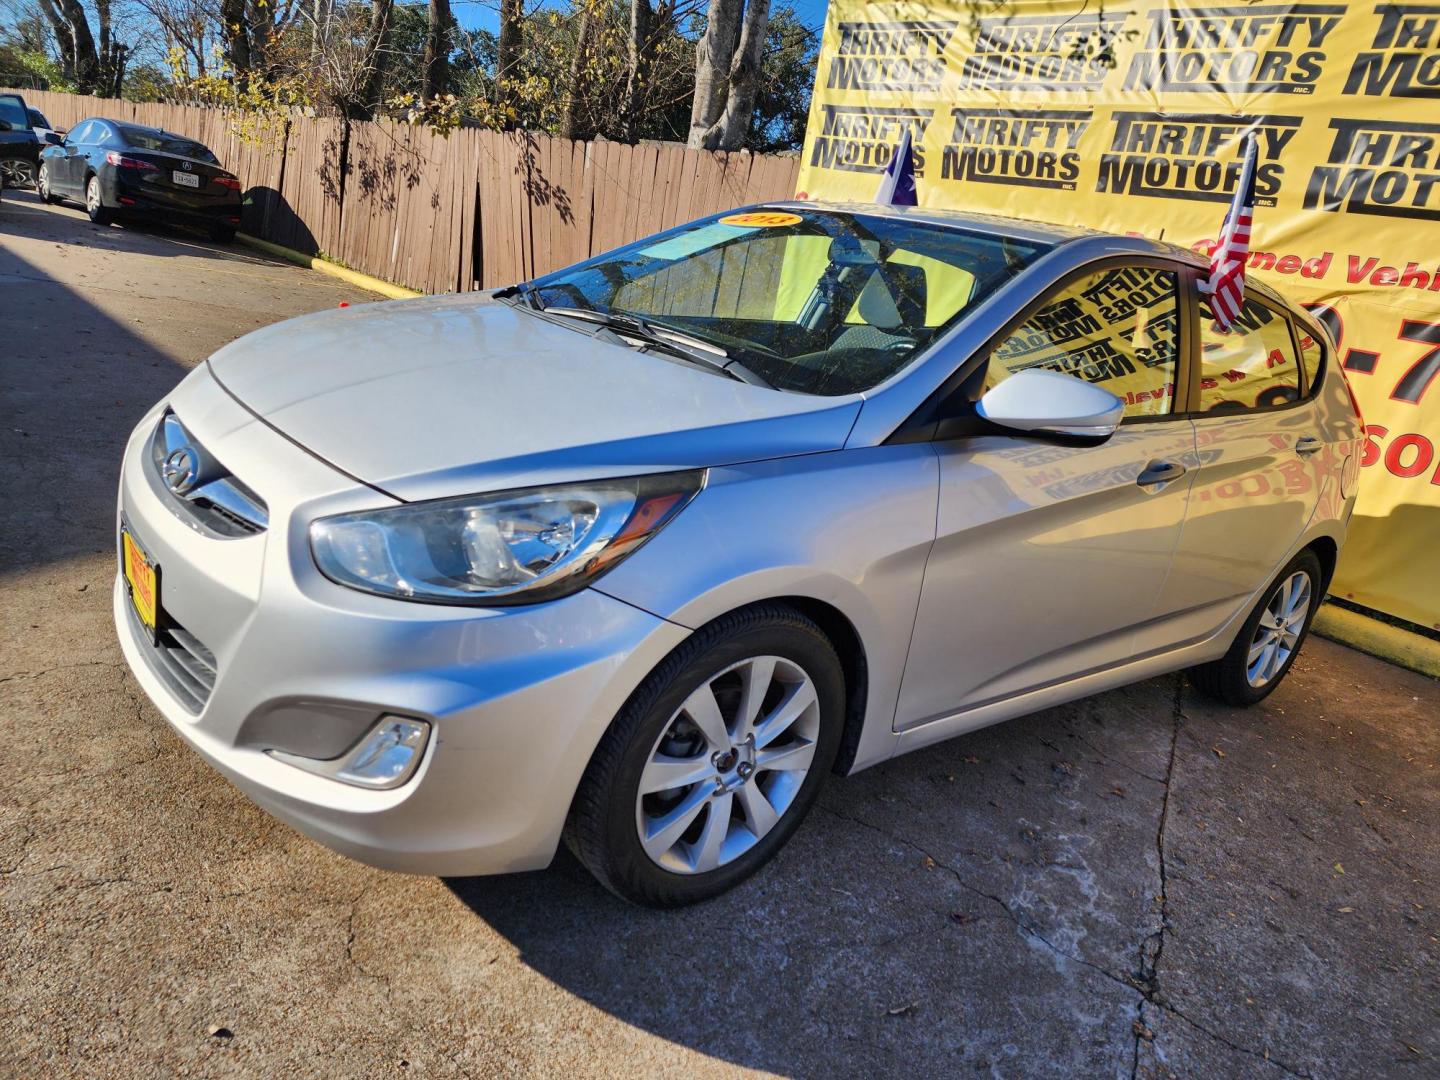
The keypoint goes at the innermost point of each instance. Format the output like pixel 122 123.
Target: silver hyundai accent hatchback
pixel 638 552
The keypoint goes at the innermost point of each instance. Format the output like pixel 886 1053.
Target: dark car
pixel 124 170
pixel 19 145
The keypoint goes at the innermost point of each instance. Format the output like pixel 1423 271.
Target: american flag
pixel 897 186
pixel 1226 284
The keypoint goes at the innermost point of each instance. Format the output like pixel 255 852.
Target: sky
pixel 484 14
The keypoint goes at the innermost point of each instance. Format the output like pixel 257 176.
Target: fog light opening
pixel 388 755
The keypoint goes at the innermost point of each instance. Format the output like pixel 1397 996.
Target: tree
pixel 727 73
pixel 377 54
pixel 787 79
pixel 508 52
pixel 92 68
pixel 437 50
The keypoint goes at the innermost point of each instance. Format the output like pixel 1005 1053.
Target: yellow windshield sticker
pixel 762 219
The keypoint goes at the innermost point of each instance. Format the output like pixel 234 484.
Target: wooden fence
pixel 479 209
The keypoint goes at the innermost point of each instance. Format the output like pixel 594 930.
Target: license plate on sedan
pixel 142 577
pixel 186 179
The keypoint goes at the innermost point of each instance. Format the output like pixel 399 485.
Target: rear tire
pixel 222 234
pixel 748 792
pixel 1261 656
pixel 95 206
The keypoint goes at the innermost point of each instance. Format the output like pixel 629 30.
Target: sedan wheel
pixel 42 184
pixel 728 765
pixel 1278 633
pixel 714 761
pixel 94 204
pixel 18 173
pixel 1265 648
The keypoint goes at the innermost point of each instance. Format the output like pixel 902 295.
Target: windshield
pixel 167 144
pixel 37 119
pixel 812 301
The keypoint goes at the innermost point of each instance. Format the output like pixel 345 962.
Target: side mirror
pixel 1040 402
pixel 53 139
pixel 5 125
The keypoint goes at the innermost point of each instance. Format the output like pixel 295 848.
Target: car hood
pixel 456 394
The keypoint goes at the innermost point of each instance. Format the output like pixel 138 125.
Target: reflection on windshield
pixel 809 300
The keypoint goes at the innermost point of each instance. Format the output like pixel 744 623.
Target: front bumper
pixel 517 697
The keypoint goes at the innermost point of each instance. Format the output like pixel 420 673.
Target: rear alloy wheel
pixel 94 204
pixel 1265 648
pixel 714 762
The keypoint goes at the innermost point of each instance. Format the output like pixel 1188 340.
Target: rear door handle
pixel 1160 472
pixel 1308 444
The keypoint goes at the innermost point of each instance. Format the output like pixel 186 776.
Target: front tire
pixel 95 203
pixel 42 185
pixel 1266 646
pixel 713 762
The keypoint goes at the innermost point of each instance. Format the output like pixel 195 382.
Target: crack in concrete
pixel 384 980
pixel 21 676
pixel 1148 994
pixel 1147 982
pixel 1153 946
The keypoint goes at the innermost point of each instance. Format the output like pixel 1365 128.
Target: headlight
pixel 512 547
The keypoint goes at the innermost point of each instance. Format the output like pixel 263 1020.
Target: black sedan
pixel 124 170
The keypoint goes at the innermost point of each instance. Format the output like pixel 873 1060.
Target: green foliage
pixel 31 68
pixel 259 108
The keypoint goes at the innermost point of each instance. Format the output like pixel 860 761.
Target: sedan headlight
pixel 512 547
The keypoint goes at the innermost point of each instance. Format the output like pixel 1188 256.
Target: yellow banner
pixel 1131 120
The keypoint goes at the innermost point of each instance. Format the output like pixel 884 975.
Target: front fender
pixel 851 529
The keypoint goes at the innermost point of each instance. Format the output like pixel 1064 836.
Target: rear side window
pixel 1115 328
pixel 164 143
pixel 1250 366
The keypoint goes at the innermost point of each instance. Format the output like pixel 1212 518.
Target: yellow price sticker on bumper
pixel 762 219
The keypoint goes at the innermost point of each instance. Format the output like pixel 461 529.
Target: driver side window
pixel 1116 328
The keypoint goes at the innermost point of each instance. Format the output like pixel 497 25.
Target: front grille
pixel 179 658
pixel 200 490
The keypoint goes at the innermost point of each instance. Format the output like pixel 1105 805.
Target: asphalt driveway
pixel 1142 883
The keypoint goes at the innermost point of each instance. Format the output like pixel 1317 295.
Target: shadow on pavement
pixel 66 416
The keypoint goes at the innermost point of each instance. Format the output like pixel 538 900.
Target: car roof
pixel 1043 232
pixel 1015 228
pixel 141 129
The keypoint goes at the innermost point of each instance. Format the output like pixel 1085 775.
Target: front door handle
pixel 1160 472
pixel 1308 444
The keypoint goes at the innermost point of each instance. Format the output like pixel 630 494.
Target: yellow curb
pixel 344 273
pixel 1379 639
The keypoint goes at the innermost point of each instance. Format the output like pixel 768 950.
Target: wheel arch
pixel 842 634
pixel 1328 552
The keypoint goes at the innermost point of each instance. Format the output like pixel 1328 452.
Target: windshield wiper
pixel 526 294
pixel 698 351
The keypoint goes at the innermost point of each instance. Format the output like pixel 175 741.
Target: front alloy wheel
pixel 728 765
pixel 714 761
